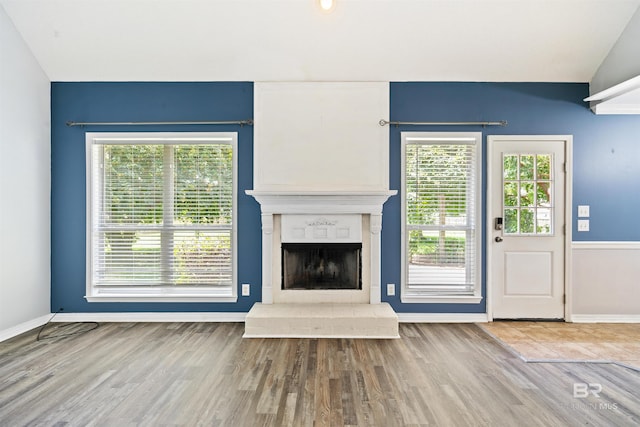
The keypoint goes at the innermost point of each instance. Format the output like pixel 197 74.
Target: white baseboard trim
pixel 150 317
pixel 23 327
pixel 240 317
pixel 605 318
pixel 442 317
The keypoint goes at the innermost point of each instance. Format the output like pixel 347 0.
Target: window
pixel 441 213
pixel 527 194
pixel 161 216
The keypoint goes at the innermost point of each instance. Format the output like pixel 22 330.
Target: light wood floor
pixel 156 374
pixel 541 341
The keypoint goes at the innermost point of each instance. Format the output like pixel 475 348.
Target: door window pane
pixel 510 167
pixel 527 198
pixel 526 221
pixel 542 194
pixel 543 221
pixel 511 194
pixel 543 166
pixel 511 221
pixel 526 166
pixel 527 194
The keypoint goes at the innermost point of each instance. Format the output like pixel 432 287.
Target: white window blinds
pixel 440 201
pixel 162 211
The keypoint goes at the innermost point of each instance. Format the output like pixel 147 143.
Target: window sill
pixel 118 295
pixel 441 299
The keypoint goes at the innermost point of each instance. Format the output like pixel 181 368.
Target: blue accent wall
pixel 130 102
pixel 606 156
pixel 606 165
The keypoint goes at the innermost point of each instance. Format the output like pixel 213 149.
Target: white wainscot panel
pixel 606 280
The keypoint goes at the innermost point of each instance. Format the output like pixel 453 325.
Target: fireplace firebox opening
pixel 321 266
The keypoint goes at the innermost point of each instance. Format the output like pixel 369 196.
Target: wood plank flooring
pixel 192 374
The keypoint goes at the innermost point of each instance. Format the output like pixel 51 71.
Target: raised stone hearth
pixel 325 320
pixel 338 220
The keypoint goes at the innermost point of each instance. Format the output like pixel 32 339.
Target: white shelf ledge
pixel 321 202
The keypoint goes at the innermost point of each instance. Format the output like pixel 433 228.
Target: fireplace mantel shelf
pixel 335 202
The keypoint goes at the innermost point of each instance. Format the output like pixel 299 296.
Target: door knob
pixel 498 239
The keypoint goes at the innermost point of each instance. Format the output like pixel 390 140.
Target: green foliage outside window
pixel 197 182
pixel 434 250
pixel 437 178
pixel 436 183
pixel 527 193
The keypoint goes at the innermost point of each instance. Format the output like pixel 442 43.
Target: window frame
pixel 426 296
pixel 182 293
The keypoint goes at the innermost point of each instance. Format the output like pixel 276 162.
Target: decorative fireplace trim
pixel 320 203
pixel 321 228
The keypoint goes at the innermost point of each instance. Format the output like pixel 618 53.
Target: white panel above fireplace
pixel 321 228
pixel 321 136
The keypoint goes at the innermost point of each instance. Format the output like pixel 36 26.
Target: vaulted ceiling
pixel 292 40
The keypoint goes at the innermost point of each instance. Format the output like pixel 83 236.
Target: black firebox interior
pixel 321 266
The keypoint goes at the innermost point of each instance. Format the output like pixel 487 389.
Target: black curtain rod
pixel 248 122
pixel 386 122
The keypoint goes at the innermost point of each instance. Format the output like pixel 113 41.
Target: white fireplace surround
pixel 321 205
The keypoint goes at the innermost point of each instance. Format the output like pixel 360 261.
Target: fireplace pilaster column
pixel 267 258
pixel 376 228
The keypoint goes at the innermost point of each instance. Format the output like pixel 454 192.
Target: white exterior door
pixel 526 230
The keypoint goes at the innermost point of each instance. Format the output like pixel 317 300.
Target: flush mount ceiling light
pixel 327 5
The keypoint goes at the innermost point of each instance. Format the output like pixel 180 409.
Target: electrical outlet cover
pixel 391 289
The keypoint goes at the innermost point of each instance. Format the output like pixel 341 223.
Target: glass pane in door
pixel 527 194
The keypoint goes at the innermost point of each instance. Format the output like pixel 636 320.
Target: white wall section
pixel 25 181
pixel 321 137
pixel 623 61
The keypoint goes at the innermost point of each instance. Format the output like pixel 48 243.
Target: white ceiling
pixel 291 40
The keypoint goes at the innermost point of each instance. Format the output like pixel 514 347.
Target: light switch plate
pixel 246 289
pixel 583 211
pixel 583 225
